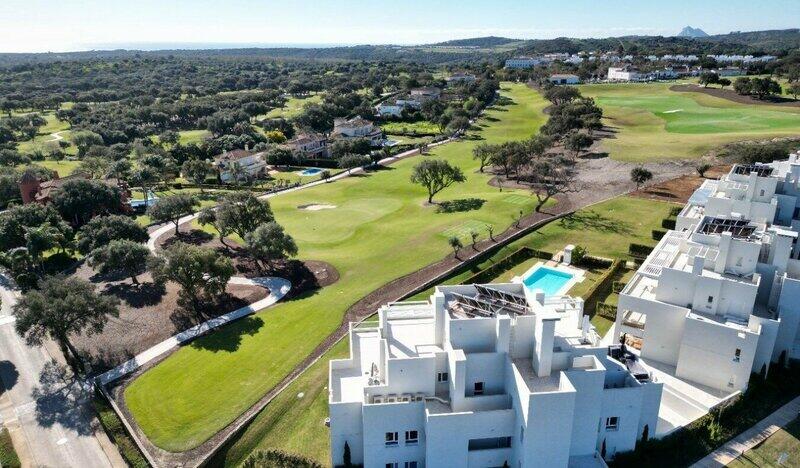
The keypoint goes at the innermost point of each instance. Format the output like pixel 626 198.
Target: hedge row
pixel 668 223
pixel 511 260
pixel 590 261
pixel 658 234
pixel 608 311
pixel 675 211
pixel 591 296
pixel 639 250
pixel 117 433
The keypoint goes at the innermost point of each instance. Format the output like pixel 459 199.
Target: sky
pixel 69 25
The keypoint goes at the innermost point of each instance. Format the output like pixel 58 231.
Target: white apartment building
pixel 357 127
pixel 484 375
pixel 626 73
pixel 561 78
pixel 244 162
pixel 717 298
pixel 522 63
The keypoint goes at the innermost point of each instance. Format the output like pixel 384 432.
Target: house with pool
pixel 484 375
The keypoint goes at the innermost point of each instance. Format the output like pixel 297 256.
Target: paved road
pixel 46 411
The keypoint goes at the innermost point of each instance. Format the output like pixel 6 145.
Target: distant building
pixel 460 77
pixel 388 109
pixel 522 63
pixel 34 190
pixel 564 79
pixel 665 74
pixel 626 73
pixel 357 127
pixel 425 94
pixel 247 163
pixel 729 71
pixel 309 145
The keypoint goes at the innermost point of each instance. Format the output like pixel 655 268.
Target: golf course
pixel 651 122
pixel 379 229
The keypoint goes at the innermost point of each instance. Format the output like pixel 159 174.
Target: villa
pixel 357 127
pixel 425 94
pixel 34 190
pixel 460 77
pixel 487 375
pixel 564 79
pixel 626 73
pixel 247 163
pixel 309 145
pixel 387 109
pixel 717 298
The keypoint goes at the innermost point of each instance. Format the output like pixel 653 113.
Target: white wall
pixel 448 435
pixel 393 417
pixel 346 426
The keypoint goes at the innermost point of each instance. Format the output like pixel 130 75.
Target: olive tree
pixel 436 175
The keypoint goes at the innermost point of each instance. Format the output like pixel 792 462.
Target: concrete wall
pixel 346 426
pixel 664 328
pixel 623 403
pixel 488 368
pixel 549 420
pixel 448 435
pixel 393 417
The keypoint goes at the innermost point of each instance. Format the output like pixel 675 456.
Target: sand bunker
pixel 316 207
pixel 672 111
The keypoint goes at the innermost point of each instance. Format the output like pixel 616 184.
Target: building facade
pixel 487 375
pixel 564 79
pixel 717 298
pixel 309 145
pixel 357 127
pixel 241 164
pixel 624 74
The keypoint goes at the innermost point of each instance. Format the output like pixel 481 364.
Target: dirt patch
pixel 316 207
pixel 678 190
pixel 731 95
pixel 148 314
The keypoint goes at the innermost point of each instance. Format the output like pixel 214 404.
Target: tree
pixel 743 86
pixel 723 82
pixel 793 89
pixel 702 168
pixel 325 175
pixel 18 220
pixel 490 231
pixel 197 170
pixel 40 239
pixel 561 94
pixel 240 213
pixel 640 176
pixel 208 216
pixel 126 256
pixel 436 175
pixel 102 230
pixel 483 154
pixel 85 140
pixel 707 78
pixel 146 178
pixel 93 167
pixel 172 209
pixel 62 307
pixel 279 156
pixel 473 235
pixel 578 142
pixel 352 161
pixel 551 175
pixel 169 137
pixel 268 242
pixel 763 87
pixel 455 244
pixel 201 272
pixel 80 200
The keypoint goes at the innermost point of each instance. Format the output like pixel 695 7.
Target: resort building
pixel 239 164
pixel 357 127
pixel 626 73
pixel 564 79
pixel 487 375
pixel 522 63
pixel 717 298
pixel 309 145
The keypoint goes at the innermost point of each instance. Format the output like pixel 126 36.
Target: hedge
pixel 618 286
pixel 675 211
pixel 602 282
pixel 639 250
pixel 505 263
pixel 668 223
pixel 117 433
pixel 658 234
pixel 604 310
pixel 590 261
pixel 327 163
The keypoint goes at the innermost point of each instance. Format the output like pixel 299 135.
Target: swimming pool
pixel 549 280
pixel 311 172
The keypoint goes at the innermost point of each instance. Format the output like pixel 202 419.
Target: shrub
pixel 618 286
pixel 602 282
pixel 668 223
pixel 278 459
pixel 578 255
pixel 658 234
pixel 639 250
pixel 118 434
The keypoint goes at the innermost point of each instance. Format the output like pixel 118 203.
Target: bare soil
pixel 679 189
pixel 732 95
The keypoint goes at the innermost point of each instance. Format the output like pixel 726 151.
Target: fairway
pixel 652 122
pixel 292 108
pixel 380 230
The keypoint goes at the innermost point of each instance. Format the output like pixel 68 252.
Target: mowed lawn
pixel 296 425
pixel 654 123
pixel 766 454
pixel 292 108
pixel 379 230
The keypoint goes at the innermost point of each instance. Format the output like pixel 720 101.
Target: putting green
pixel 380 230
pixel 652 122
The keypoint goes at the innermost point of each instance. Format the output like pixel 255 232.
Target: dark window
pixel 478 388
pixel 737 355
pixel 441 377
pixel 412 437
pixel 612 423
pixel 490 443
pixel 391 438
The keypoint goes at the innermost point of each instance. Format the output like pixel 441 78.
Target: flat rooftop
pixel 738 228
pixel 761 170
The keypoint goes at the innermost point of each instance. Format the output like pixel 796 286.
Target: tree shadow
pixel 460 205
pixel 62 398
pixel 659 193
pixel 489 118
pixel 594 155
pixel 594 221
pixel 194 237
pixel 229 338
pixel 9 374
pixel 138 295
pixel 379 168
pixel 103 360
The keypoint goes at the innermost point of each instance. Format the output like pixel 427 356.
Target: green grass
pixel 8 456
pixel 292 108
pixel 656 123
pixel 765 454
pixel 422 126
pixel 294 425
pixel 63 167
pixel 43 140
pixel 380 230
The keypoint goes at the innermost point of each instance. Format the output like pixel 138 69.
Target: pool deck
pixel 577 274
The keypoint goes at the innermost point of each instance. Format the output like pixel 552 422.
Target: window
pixel 391 439
pixel 521 433
pixel 478 388
pixel 392 465
pixel 411 464
pixel 441 377
pixel 737 355
pixel 612 423
pixel 412 437
pixel 762 192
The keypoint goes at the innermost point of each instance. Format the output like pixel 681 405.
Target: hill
pixel 689 31
pixel 488 41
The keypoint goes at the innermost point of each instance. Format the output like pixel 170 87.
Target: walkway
pixel 751 437
pixel 278 288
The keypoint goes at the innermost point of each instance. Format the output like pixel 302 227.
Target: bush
pixel 668 223
pixel 278 459
pixel 607 311
pixel 117 433
pixel 639 250
pixel 675 211
pixel 618 286
pixel 592 262
pixel 658 234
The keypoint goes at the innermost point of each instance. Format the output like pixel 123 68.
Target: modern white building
pixel 245 163
pixel 717 298
pixel 564 79
pixel 389 109
pixel 483 376
pixel 626 73
pixel 522 63
pixel 357 127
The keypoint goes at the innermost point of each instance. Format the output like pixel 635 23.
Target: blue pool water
pixel 311 172
pixel 547 279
